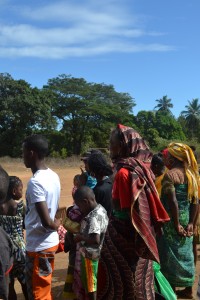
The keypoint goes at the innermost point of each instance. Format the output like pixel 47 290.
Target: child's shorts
pixel 89 270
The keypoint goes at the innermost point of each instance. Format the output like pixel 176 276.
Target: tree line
pixel 76 115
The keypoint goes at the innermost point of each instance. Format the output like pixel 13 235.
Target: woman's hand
pixel 190 229
pixel 180 230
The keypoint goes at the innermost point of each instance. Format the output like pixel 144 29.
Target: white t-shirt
pixel 44 185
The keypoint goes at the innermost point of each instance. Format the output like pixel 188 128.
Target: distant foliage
pixel 76 115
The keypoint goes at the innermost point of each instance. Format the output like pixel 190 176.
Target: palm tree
pixel 192 115
pixel 164 104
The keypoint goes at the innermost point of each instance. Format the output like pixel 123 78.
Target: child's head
pixel 76 180
pixel 83 178
pixel 35 147
pixel 4 183
pixel 15 189
pixel 157 164
pixel 84 198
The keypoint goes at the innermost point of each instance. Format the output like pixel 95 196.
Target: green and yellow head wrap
pixel 185 154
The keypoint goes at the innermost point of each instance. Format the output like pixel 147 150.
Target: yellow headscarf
pixel 184 153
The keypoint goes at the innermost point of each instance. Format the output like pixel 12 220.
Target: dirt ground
pixel 66 173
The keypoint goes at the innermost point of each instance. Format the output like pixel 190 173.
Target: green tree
pixel 23 110
pixel 164 105
pixel 87 111
pixel 192 116
pixel 168 127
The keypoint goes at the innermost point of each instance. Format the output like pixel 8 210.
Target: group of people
pixel 130 219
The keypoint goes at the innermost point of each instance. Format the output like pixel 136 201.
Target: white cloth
pixel 44 185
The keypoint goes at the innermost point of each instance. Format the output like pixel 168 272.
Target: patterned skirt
pixel 122 274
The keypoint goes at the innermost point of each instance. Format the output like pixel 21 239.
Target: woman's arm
pixel 194 209
pixel 168 189
pixel 173 205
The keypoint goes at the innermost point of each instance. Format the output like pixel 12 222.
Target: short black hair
pixel 4 183
pixel 98 164
pixel 87 154
pixel 157 159
pixel 83 192
pixel 14 181
pixel 37 143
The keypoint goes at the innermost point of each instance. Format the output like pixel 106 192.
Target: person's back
pixel 103 194
pixel 101 170
pixel 39 237
pixel 6 246
pixel 6 262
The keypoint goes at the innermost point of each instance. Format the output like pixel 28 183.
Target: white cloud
pixel 70 29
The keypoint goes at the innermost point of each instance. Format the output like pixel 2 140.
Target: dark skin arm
pixel 91 239
pixel 47 222
pixel 173 205
pixel 193 217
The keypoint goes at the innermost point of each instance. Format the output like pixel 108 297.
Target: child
pixel 11 220
pixel 90 238
pixel 76 182
pixel 72 225
pixel 42 199
pixel 15 188
pixel 6 246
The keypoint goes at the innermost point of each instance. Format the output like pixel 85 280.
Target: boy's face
pixel 27 156
pixel 85 205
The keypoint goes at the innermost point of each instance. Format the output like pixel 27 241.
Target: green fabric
pixel 176 252
pixel 121 214
pixel 89 270
pixel 162 286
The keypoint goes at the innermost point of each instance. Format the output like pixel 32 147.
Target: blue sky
pixel 147 48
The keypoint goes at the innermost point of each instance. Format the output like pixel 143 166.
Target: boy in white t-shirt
pixel 42 197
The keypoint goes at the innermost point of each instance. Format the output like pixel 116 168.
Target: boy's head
pixel 15 189
pixel 84 198
pixel 35 147
pixel 4 183
pixel 157 164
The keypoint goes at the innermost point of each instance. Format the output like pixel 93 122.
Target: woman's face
pixel 115 145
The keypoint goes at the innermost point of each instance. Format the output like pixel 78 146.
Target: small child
pixel 76 182
pixel 90 239
pixel 72 225
pixel 79 180
pixel 11 220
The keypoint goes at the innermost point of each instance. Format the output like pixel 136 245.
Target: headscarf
pixel 136 145
pixel 185 154
pixel 146 208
